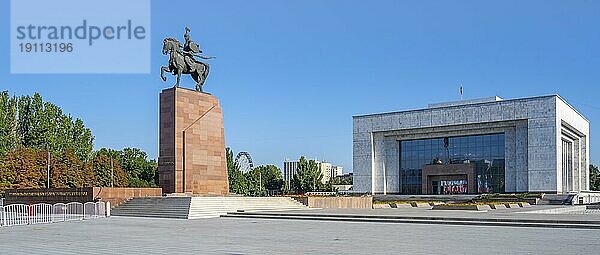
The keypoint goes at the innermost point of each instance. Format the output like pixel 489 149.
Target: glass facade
pixel 485 151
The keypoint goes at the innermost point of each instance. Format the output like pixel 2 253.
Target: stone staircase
pixel 202 207
pixel 557 199
pixel 206 207
pixel 154 207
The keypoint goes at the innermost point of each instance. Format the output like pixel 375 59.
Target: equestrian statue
pixel 182 60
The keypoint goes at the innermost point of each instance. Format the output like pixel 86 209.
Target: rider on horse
pixel 190 49
pixel 182 60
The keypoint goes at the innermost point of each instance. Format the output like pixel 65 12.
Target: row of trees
pixel 34 133
pixel 27 168
pixel 342 180
pixel 267 178
pixel 138 170
pixel 257 182
pixel 29 122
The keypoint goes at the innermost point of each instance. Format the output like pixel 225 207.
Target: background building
pixel 336 171
pixel 289 170
pixel 536 144
pixel 327 169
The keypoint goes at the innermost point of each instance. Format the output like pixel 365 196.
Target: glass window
pixel 485 151
pixel 427 145
pixel 472 141
pixel 494 141
pixel 479 140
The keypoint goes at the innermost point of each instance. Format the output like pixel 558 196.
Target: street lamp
pixel 48 171
pixel 112 178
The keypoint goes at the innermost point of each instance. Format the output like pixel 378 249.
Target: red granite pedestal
pixel 192 143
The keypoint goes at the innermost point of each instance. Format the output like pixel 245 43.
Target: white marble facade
pixel 535 130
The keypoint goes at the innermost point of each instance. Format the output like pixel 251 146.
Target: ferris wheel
pixel 244 161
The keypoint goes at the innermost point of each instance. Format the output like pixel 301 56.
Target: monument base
pixel 192 143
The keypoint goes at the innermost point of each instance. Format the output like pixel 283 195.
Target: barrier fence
pixel 21 214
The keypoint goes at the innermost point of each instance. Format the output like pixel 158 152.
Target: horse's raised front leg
pixel 164 69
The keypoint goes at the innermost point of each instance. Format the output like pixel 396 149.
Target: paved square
pixel 121 235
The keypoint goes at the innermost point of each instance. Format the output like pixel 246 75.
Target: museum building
pixel 488 145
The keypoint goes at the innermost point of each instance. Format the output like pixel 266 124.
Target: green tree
pixel 101 165
pixel 30 128
pixel 70 172
pixel 139 169
pixel 42 125
pixel 263 178
pixel 237 182
pixel 83 140
pixel 26 122
pixel 308 176
pixel 271 177
pixel 328 186
pixel 8 123
pixel 25 168
pixel 254 185
pixel 594 178
pixel 342 180
pixel 8 175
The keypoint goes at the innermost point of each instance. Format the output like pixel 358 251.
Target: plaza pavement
pixel 123 235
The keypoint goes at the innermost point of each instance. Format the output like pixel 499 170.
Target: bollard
pixel 107 209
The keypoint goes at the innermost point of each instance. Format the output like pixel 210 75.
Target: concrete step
pixel 149 211
pixel 415 221
pixel 155 207
pixel 170 216
pixel 202 207
pixel 557 199
pixel 512 222
pixel 245 210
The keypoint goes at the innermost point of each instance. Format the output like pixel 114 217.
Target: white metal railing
pixel 59 212
pixel 16 214
pixel 21 214
pixel 74 211
pixel 40 213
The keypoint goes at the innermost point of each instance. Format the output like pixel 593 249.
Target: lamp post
pixel 112 178
pixel 48 171
pixel 112 170
pixel 260 181
pixel 48 163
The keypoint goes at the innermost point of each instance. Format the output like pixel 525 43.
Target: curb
pixel 423 220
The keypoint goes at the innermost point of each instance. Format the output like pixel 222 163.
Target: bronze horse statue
pixel 178 64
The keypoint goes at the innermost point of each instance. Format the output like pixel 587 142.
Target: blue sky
pixel 290 74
